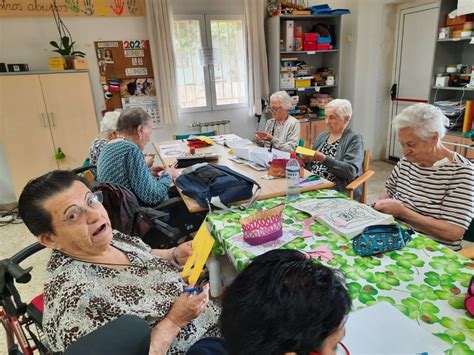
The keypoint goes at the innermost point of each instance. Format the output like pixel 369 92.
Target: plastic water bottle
pixel 292 178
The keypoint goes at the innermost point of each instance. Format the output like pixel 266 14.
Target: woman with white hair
pixel 431 187
pixel 108 131
pixel 339 151
pixel 282 131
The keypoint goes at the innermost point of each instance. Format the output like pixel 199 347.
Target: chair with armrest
pixel 186 136
pixel 362 180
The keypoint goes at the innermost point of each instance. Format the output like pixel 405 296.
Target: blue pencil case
pixel 381 239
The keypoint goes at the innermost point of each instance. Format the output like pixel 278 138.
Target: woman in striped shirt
pixel 431 188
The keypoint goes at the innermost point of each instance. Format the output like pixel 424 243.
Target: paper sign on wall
pixel 202 246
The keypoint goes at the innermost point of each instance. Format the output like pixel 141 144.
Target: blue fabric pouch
pixel 381 239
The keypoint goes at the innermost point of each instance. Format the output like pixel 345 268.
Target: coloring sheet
pixel 343 216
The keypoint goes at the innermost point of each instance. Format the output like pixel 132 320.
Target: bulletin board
pixel 126 76
pixel 88 8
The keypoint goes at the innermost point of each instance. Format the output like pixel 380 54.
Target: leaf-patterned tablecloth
pixel 425 280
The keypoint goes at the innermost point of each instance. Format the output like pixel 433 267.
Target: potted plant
pixel 65 46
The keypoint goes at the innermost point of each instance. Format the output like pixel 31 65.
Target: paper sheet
pixel 202 245
pixel 383 329
pixel 171 150
pixel 305 151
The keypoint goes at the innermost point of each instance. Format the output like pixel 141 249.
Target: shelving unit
pixel 452 51
pixel 274 31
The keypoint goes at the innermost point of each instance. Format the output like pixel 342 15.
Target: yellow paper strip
pixel 202 246
pixel 305 151
pixel 205 139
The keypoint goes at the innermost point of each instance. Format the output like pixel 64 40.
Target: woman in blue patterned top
pixel 122 161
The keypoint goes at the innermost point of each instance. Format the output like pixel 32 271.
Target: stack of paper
pixel 257 157
pixel 342 215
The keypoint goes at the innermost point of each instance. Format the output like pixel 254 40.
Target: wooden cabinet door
pixel 71 113
pixel 317 127
pixel 305 129
pixel 24 129
pixel 469 152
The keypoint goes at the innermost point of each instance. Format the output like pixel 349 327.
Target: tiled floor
pixel 14 237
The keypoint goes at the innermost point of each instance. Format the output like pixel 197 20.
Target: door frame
pixel 402 10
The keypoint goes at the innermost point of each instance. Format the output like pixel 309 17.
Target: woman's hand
pixel 149 159
pixel 172 171
pixel 318 156
pixel 390 206
pixel 264 136
pixel 188 307
pixel 182 252
pixel 155 170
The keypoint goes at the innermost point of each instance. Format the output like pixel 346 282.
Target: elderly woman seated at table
pixel 95 274
pixel 108 132
pixel 281 303
pixel 431 187
pixel 339 151
pixel 282 131
pixel 122 161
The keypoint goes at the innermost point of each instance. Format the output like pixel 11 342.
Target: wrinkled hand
pixel 264 136
pixel 155 170
pixel 318 156
pixel 188 307
pixel 149 159
pixel 183 251
pixel 389 206
pixel 172 171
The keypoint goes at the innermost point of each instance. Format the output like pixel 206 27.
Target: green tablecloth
pixel 425 280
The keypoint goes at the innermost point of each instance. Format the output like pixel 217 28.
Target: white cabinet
pixel 41 113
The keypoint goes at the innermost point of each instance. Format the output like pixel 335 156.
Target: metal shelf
pixel 310 52
pixel 453 88
pixel 310 88
pixel 455 39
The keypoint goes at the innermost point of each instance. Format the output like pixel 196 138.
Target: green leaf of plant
pixel 457 302
pixel 444 337
pixel 429 307
pixel 447 323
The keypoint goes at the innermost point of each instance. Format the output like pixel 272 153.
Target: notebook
pixel 342 215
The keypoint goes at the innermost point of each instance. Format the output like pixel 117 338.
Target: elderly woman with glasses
pixel 282 131
pixel 339 151
pixel 431 187
pixel 96 274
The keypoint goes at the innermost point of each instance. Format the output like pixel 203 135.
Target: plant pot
pixel 69 61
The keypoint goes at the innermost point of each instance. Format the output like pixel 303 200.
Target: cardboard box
pixel 289 35
pixel 302 83
pixel 81 63
pixel 323 46
pixel 56 63
pixel 309 46
pixel 459 20
pixel 311 37
pixel 287 81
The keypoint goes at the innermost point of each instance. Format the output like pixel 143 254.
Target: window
pixel 210 62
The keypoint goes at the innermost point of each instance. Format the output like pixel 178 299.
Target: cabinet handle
pixel 52 119
pixel 43 122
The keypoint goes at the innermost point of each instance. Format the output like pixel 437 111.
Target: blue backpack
pixel 218 185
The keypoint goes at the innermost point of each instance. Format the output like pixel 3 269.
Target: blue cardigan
pixel 122 162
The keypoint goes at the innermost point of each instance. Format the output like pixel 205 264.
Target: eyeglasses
pixel 78 213
pixel 275 109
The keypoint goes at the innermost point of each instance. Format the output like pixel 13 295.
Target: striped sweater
pixel 122 162
pixel 444 192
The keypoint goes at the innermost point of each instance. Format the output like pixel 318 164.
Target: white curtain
pixel 159 22
pixel 257 54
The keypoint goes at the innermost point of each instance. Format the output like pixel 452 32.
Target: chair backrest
pixel 367 158
pixel 469 234
pixel 186 136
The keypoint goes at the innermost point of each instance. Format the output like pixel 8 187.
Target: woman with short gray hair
pixel 431 187
pixel 123 162
pixel 108 131
pixel 282 131
pixel 339 151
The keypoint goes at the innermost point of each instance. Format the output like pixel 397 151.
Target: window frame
pixel 208 69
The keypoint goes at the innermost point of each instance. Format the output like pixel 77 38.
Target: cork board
pixel 126 76
pixel 87 8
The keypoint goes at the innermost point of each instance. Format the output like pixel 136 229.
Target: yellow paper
pixel 205 139
pixel 202 245
pixel 305 151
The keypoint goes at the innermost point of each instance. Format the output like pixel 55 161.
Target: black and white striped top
pixel 444 192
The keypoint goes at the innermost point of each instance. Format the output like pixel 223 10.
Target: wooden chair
pixel 186 136
pixel 366 175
